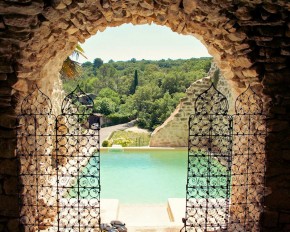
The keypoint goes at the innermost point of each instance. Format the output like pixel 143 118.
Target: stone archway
pixel 249 40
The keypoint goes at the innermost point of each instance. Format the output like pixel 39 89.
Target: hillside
pixel 145 90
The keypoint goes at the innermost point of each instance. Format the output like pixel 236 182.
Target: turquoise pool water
pixel 146 176
pixel 151 176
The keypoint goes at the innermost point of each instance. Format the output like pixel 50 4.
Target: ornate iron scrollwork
pixel 209 163
pixel 59 157
pixel 36 172
pixel 226 164
pixel 248 167
pixel 77 102
pixel 36 103
pixel 211 101
pixel 78 164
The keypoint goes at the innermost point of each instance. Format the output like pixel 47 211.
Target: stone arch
pixel 56 29
pixel 249 40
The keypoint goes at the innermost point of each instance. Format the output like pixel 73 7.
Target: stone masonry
pixel 249 40
pixel 174 131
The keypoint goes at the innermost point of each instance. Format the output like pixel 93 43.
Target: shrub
pixel 136 139
pixel 118 118
pixel 122 141
pixel 105 143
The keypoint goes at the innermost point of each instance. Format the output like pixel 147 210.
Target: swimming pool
pixel 150 176
pixel 143 176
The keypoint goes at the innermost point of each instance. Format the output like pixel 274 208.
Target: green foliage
pixel 109 93
pixel 98 63
pixel 135 83
pixel 161 84
pixel 118 118
pixel 136 139
pixel 124 142
pixel 87 64
pixel 105 143
pixel 71 68
pixel 104 106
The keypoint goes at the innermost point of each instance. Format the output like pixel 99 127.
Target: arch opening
pixel 230 50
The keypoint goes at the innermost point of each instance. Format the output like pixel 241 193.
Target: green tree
pixel 104 106
pixel 134 83
pixel 161 84
pixel 87 64
pixel 170 83
pixel 98 62
pixel 145 94
pixel 111 94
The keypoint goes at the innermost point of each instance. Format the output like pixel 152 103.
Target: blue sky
pixel 141 42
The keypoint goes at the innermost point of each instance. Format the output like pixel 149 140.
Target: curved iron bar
pixel 248 179
pixel 59 164
pixel 78 161
pixel 36 103
pixel 229 200
pixel 77 102
pixel 249 102
pixel 35 144
pixel 211 101
pixel 209 163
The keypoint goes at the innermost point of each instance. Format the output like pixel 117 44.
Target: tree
pixel 161 84
pixel 104 106
pixel 170 83
pixel 87 64
pixel 111 94
pixel 135 83
pixel 71 68
pixel 98 62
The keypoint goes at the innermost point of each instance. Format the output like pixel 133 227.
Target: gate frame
pixel 37 103
pixel 248 106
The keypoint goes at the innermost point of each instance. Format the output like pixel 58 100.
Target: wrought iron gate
pixel 59 164
pixel 226 164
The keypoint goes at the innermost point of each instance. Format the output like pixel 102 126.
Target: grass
pixel 130 139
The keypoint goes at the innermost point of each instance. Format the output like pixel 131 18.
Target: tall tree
pixel 135 83
pixel 98 62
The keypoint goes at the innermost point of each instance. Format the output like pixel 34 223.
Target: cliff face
pixel 174 131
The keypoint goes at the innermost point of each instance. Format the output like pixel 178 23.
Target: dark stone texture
pixel 10 185
pixel 8 167
pixel 8 206
pixel 7 148
pixel 35 7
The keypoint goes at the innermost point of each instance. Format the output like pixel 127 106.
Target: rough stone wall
pixel 249 40
pixel 174 131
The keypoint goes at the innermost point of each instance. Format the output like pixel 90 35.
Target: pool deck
pixel 147 148
pixel 145 217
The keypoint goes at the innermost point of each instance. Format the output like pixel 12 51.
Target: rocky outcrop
pixel 174 131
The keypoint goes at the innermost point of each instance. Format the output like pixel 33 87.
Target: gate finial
pixel 77 102
pixel 36 103
pixel 249 102
pixel 211 101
